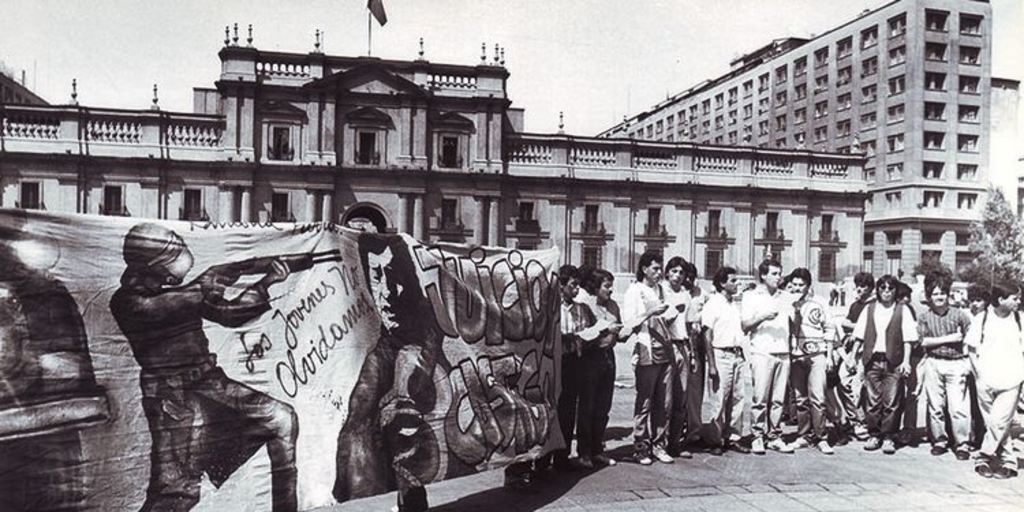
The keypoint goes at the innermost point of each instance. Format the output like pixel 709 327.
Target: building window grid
pixel 821 57
pixel 932 170
pixel 932 199
pixel 800 91
pixel 869 93
pixel 869 67
pixel 868 37
pixel 970 55
pixel 898 25
pixel 844 102
pixel 894 172
pixel 934 141
pixel 967 143
pixel 844 48
pixel 31 195
pixel 896 113
pixel 897 85
pixel 800 66
pixel 895 143
pixel 966 172
pixel 820 84
pixel 935 21
pixel 843 128
pixel 897 56
pixel 935 52
pixel 935 81
pixel 868 121
pixel 970 25
pixel 966 201
pixel 969 114
pixel 934 111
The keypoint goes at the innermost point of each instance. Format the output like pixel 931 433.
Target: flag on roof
pixel 376 8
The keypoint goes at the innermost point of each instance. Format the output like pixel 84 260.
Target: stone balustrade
pixel 283 69
pixel 110 132
pixel 452 81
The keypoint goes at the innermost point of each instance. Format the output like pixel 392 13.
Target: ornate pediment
pixel 453 121
pixel 369 116
pixel 281 110
pixel 370 78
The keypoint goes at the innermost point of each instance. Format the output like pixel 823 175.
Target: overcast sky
pixel 596 60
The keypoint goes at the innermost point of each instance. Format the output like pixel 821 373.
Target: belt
pixel 932 355
pixel 732 350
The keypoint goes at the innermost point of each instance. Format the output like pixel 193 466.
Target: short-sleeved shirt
pixel 999 345
pixel 770 336
pixel 932 325
pixel 856 307
pixel 883 315
pixel 677 321
pixel 812 328
pixel 649 348
pixel 722 317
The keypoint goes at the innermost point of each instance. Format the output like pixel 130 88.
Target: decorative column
pixel 226 201
pixel 417 217
pixel 246 213
pixel 310 215
pixel 482 223
pixel 403 214
pixel 326 210
pixel 492 221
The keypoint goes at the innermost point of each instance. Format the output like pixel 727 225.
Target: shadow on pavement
pixel 549 485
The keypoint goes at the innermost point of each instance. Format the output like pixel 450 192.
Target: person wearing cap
pixel 200 420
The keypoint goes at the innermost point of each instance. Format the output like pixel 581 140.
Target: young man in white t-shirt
pixel 996 348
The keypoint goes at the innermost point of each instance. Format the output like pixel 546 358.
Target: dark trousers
pixel 695 391
pixel 568 400
pixel 651 409
pixel 681 424
pixel 597 385
pixel 883 392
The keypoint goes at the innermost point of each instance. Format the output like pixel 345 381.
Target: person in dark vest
pixel 200 420
pixel 883 331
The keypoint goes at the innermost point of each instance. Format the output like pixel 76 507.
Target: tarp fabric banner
pixel 158 365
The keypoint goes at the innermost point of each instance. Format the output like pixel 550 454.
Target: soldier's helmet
pixel 153 249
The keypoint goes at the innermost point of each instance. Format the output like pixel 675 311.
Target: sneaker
pixel 737 447
pixel 872 444
pixel 860 432
pixel 603 460
pixel 662 457
pixel 825 448
pixel 780 446
pixel 1002 473
pixel 983 467
pixel 584 462
pixel 962 453
pixel 716 451
pixel 644 460
pixel 800 443
pixel 757 446
pixel 888 447
pixel 938 450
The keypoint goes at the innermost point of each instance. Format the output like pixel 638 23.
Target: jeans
pixel 651 409
pixel 597 385
pixel 770 373
pixel 679 425
pixel 945 387
pixel 808 378
pixel 568 400
pixel 998 406
pixel 883 391
pixel 727 406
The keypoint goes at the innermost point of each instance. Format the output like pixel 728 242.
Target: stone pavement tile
pixel 993 487
pixel 772 502
pixel 831 504
pixel 881 487
pixel 604 497
pixel 650 494
pixel 843 488
pixel 723 502
pixel 732 489
pixel 800 487
pixel 759 488
pixel 690 491
pixel 973 499
pixel 871 500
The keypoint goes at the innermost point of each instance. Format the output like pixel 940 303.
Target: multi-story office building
pixel 437 151
pixel 14 91
pixel 907 84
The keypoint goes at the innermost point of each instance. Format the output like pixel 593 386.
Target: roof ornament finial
pixel 316 45
pixel 234 40
pixel 156 99
pixel 483 53
pixel 496 53
pixel 74 91
pixel 227 35
pixel 561 122
pixel 248 40
pixel 502 61
pixel 421 48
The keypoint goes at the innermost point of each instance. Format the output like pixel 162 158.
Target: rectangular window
pixel 732 117
pixel 719 101
pixel 705 107
pixel 714 222
pixel 844 76
pixel 970 55
pixel 843 128
pixel 821 134
pixel 748 111
pixel 969 84
pixel 526 210
pixel 969 114
pixel 897 55
pixel 932 199
pixel 450 157
pixel 869 37
pixel 719 122
pixel 279 208
pixel 820 84
pixel 894 172
pixel 931 237
pixel 653 221
pixel 367 151
pixel 895 143
pixel 590 218
pixel 192 207
pixel 869 67
pixel 781 74
pixel 827 266
pixel 800 116
pixel 935 21
pixel 970 25
pixel 935 81
pixel 821 57
pixel 748 88
pixel 966 201
pixel 869 93
pixel 733 96
pixel 844 101
pixel 449 213
pixel 762 83
pixel 780 98
pixel 893 262
pixel 932 170
pixel 30 196
pixel 800 66
pixel 934 111
pixel 869 120
pixel 800 91
pixel 280 145
pixel 898 25
pixel 113 201
pixel 935 51
pixel 780 123
pixel 967 143
pixel 894 200
pixel 762 128
pixel 820 109
pixel 592 256
pixel 966 172
pixel 870 149
pixel 897 85
pixel 896 113
pixel 844 48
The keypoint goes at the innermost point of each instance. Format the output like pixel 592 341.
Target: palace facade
pixel 437 151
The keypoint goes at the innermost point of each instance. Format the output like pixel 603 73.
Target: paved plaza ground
pixel 850 480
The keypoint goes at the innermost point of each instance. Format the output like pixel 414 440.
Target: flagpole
pixel 369 34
